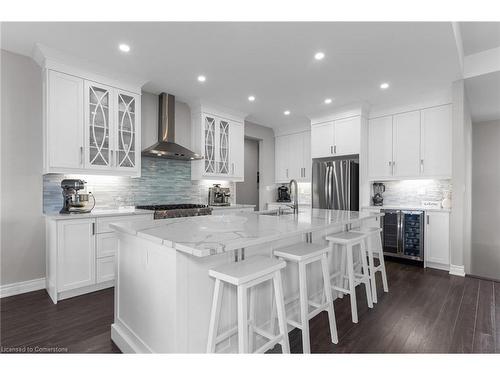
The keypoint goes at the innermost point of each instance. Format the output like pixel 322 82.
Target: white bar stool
pixel 245 275
pixel 346 242
pixel 373 245
pixel 304 254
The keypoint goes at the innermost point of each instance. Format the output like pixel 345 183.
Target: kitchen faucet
pixel 295 205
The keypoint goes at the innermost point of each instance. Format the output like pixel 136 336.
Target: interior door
pixel 406 144
pixel 435 144
pixel 347 136
pixel 322 140
pixel 380 147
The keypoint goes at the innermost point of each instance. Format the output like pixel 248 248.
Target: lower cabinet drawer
pixel 107 244
pixel 105 269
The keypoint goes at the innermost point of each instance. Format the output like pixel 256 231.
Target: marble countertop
pixel 203 236
pixel 233 206
pixel 99 213
pixel 403 207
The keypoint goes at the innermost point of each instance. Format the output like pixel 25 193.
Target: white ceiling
pixel 273 61
pixel 479 36
pixel 483 94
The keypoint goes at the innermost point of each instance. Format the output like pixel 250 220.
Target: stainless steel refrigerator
pixel 335 184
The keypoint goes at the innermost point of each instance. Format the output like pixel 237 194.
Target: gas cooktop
pixel 166 211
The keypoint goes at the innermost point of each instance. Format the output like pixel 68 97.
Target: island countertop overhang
pixel 203 236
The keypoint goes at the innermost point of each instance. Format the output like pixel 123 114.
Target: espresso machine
pixel 378 190
pixel 218 196
pixel 73 201
pixel 284 194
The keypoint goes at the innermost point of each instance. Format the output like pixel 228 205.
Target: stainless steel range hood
pixel 166 147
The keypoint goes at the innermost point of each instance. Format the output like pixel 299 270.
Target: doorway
pixel 247 192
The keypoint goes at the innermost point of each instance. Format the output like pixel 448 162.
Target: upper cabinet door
pixel 126 142
pixel 347 136
pixel 209 124
pixel 435 149
pixel 64 122
pixel 222 153
pixel 237 152
pixel 281 157
pixel 380 147
pixel 406 145
pixel 306 156
pixel 322 140
pixel 98 123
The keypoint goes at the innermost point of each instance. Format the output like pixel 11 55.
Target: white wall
pixel 485 249
pixel 22 225
pixel 265 136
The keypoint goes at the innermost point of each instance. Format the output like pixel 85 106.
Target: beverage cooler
pixel 403 234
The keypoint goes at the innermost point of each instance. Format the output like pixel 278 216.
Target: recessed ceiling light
pixel 202 78
pixel 328 101
pixel 251 98
pixel 124 47
pixel 319 56
pixel 286 113
pixel 384 85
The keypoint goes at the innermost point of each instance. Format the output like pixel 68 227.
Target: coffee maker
pixel 284 194
pixel 73 201
pixel 378 190
pixel 218 196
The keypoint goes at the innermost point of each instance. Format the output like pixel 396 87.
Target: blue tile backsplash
pixel 162 181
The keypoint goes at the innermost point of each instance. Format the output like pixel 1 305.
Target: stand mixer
pixel 74 202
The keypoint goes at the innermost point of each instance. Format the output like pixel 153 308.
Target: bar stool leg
pixel 342 271
pixel 352 286
pixel 251 319
pixel 384 274
pixel 304 309
pixel 366 277
pixel 329 298
pixel 242 319
pixel 280 309
pixel 214 316
pixel 372 273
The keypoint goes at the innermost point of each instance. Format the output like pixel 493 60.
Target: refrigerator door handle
pixel 326 186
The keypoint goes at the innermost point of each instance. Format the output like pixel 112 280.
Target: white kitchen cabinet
pixel 347 136
pixel 380 147
pixel 221 140
pixel 63 122
pixel 81 253
pixel 437 239
pixel 76 258
pixel 293 157
pixel 90 127
pixel 237 156
pixel 436 141
pixel 322 140
pixel 336 138
pixel 406 144
pixel 415 144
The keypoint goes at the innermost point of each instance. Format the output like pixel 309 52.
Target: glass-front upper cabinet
pixel 223 149
pixel 209 138
pixel 98 126
pixel 126 130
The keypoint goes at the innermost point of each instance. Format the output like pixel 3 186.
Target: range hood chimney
pixel 166 147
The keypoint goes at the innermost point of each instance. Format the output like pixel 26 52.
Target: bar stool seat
pixel 373 244
pixel 346 241
pixel 304 254
pixel 245 275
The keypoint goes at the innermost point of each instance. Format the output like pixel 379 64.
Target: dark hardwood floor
pixel 425 311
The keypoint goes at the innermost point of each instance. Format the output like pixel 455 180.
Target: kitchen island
pixel 163 292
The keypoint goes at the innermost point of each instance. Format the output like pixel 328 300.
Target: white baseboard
pixel 8 290
pixel 457 270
